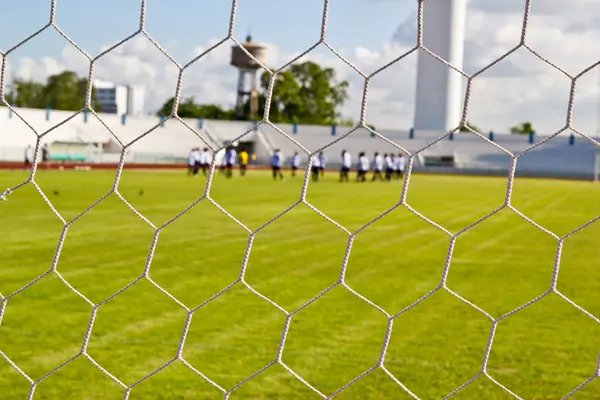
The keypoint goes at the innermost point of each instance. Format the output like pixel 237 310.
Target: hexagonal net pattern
pixel 341 282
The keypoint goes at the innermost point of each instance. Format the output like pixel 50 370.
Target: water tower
pixel 248 69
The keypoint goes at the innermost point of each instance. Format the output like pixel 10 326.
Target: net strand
pixel 205 197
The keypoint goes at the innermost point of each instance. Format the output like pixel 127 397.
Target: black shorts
pixel 275 168
pixel 294 168
pixel 345 169
pixel 315 169
pixel 229 165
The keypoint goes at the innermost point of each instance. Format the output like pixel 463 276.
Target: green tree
pixel 524 128
pixel 64 91
pixel 26 94
pixel 188 108
pixel 350 122
pixel 167 108
pixel 471 126
pixel 305 93
pixel 285 100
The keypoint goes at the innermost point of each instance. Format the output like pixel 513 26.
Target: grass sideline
pixel 541 352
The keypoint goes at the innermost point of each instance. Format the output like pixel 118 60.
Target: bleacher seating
pixel 554 157
pixel 68 157
pixel 171 141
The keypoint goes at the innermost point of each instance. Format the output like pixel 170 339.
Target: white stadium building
pixel 84 138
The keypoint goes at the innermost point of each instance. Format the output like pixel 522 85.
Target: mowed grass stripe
pixel 392 263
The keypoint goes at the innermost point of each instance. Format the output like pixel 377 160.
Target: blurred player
pixel 315 168
pixel 243 162
pixel 377 167
pixel 276 164
pixel 322 163
pixel 294 163
pixel 197 161
pixel 205 161
pixel 389 166
pixel 28 157
pixel 400 165
pixel 230 161
pixel 362 167
pixel 192 161
pixel 45 155
pixel 395 163
pixel 223 166
pixel 346 165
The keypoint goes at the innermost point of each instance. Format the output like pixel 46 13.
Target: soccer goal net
pixel 287 279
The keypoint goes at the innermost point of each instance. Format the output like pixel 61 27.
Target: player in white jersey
pixel 322 163
pixel 400 165
pixel 377 166
pixel 223 166
pixel 396 161
pixel 294 163
pixel 346 165
pixel 198 164
pixel 389 166
pixel 362 167
pixel 29 157
pixel 315 168
pixel 205 161
pixel 192 161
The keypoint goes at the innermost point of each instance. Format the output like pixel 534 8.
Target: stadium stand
pixel 85 138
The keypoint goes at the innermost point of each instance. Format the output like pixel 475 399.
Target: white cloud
pixel 520 88
pixel 545 8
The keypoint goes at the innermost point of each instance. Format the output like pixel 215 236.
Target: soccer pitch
pixel 541 352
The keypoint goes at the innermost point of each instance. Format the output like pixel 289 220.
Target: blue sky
pixel 181 25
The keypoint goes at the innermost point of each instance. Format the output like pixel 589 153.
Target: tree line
pixel 524 128
pixel 305 93
pixel 64 91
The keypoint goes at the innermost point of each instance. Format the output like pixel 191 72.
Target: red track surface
pixel 67 166
pixel 14 166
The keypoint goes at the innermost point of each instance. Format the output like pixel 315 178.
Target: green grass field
pixel 542 352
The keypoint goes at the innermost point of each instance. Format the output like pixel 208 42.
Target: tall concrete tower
pixel 439 88
pixel 248 69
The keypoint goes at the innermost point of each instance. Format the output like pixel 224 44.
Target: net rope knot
pixel 5 194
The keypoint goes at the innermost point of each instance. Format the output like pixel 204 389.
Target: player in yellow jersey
pixel 243 162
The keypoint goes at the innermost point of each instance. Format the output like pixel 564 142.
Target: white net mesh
pixel 341 282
